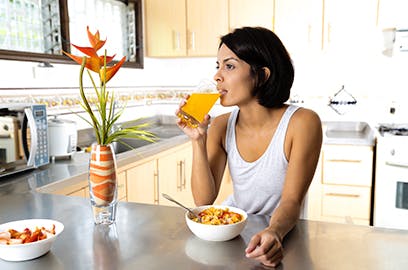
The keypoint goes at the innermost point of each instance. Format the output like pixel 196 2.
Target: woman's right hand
pixel 194 133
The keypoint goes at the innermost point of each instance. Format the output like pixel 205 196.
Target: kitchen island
pixel 157 237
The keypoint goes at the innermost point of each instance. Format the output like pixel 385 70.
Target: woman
pixel 272 148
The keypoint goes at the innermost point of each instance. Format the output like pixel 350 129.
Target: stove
pixel 391 177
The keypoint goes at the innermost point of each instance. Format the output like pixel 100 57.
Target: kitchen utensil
pixel 179 204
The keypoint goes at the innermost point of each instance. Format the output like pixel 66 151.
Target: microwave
pixel 23 137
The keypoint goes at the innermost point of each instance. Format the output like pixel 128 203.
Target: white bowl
pixel 28 251
pixel 216 232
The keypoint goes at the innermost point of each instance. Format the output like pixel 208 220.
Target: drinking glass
pixel 197 106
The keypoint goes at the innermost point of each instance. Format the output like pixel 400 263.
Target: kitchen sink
pixel 163 126
pixel 348 132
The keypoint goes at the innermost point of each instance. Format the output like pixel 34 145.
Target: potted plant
pixel 103 117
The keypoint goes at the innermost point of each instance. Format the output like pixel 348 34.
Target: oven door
pixel 391 187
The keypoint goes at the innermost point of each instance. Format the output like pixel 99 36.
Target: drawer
pixel 346 201
pixel 347 165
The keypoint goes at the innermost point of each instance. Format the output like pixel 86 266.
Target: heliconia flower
pixel 111 71
pixel 95 40
pixel 96 62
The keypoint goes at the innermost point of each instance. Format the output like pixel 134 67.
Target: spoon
pixel 179 204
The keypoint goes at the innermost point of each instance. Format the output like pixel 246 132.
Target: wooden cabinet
pixel 142 183
pixel 298 23
pixel 81 188
pixel 175 176
pixel 165 27
pixel 349 25
pixel 184 27
pixel 341 189
pixel 207 20
pixel 247 13
pixel 168 172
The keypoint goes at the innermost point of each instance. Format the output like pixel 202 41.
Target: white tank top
pixel 258 185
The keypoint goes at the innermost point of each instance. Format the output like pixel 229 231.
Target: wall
pixel 376 81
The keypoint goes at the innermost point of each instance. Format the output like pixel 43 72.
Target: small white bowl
pixel 216 232
pixel 28 251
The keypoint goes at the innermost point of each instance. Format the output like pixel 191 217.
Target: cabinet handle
pixel 342 195
pixel 156 188
pixel 184 174
pixel 344 160
pixel 176 38
pixel 309 31
pixel 179 175
pixel 192 40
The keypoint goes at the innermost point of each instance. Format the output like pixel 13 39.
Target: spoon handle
pixel 179 204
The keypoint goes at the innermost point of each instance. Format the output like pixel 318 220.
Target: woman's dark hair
pixel 260 48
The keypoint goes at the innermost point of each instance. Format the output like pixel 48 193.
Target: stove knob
pixel 392 152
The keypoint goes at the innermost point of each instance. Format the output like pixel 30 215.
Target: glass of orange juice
pixel 197 106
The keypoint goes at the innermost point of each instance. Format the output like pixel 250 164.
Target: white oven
pixel 391 178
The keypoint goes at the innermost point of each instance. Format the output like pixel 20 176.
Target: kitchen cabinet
pixel 165 27
pixel 349 25
pixel 184 27
pixel 207 20
pixel 81 189
pixel 142 183
pixel 174 171
pixel 246 13
pixel 341 188
pixel 392 13
pixel 298 23
pixel 168 172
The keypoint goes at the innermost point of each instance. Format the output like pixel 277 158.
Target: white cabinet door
pixel 349 25
pixel 298 23
pixel 245 13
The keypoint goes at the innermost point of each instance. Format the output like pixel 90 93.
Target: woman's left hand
pixel 266 247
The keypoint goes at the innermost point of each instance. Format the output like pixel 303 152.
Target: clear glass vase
pixel 103 184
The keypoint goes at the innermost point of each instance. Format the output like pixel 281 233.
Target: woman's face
pixel 234 81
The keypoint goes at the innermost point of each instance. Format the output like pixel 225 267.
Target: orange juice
pixel 197 106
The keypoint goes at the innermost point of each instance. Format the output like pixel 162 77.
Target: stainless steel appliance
pixel 391 177
pixel 23 137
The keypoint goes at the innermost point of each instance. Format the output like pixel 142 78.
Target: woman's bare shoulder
pixel 218 127
pixel 306 119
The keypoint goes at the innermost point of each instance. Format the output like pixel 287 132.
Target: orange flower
pixel 95 62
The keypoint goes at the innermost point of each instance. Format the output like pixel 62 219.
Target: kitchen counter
pixel 69 171
pixel 156 237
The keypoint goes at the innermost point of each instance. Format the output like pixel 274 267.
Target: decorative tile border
pixel 69 99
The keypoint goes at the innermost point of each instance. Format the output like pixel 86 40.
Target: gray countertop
pixel 66 171
pixel 156 237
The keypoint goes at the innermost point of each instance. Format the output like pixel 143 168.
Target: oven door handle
pixel 397 164
pixel 33 133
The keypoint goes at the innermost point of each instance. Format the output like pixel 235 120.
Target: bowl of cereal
pixel 216 222
pixel 28 239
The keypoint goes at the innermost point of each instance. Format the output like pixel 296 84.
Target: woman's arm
pixel 302 148
pixel 209 158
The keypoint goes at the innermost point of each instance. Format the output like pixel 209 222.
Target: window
pixel 38 30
